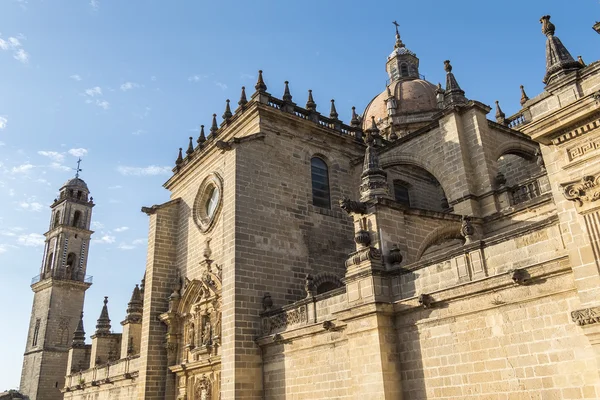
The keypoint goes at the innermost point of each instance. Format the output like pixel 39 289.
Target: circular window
pixel 208 202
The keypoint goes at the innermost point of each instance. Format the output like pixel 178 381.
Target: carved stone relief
pixel 585 192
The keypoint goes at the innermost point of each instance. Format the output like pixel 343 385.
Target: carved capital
pixel 587 316
pixel 585 192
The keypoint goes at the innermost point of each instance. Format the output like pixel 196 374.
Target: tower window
pixel 36 332
pixel 76 218
pixel 79 195
pixel 320 183
pixel 403 70
pixel 49 262
pixel 70 270
pixel 401 193
pixel 56 219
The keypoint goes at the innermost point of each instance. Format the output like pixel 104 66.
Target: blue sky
pixel 124 83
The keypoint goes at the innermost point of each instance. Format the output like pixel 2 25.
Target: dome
pixel 76 183
pixel 412 96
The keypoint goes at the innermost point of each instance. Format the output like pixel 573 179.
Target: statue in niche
pixel 206 331
pixel 203 389
pixel 191 334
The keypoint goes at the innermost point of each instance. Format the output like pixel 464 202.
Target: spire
pixel 453 94
pixel 287 96
pixel 103 323
pixel 354 121
pixel 260 84
pixel 201 138
pixel 227 114
pixel 243 101
pixel 214 127
pixel 135 307
pixel 310 103
pixel 524 97
pixel 399 43
pixel 558 59
pixel 333 113
pixel 179 160
pixel 374 179
pixel 190 149
pixel 79 334
pixel 500 116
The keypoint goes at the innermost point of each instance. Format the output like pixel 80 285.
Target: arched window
pixel 76 219
pixel 401 193
pixel 79 195
pixel 49 262
pixel 36 332
pixel 70 269
pixel 56 219
pixel 404 70
pixel 320 183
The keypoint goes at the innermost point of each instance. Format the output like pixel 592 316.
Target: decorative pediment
pixel 585 192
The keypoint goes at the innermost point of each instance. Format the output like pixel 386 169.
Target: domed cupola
pixel 402 63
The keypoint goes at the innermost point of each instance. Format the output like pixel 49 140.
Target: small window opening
pixel 404 70
pixel 70 268
pixel 70 192
pixel 36 332
pixel 49 262
pixel 79 195
pixel 76 218
pixel 320 183
pixel 56 219
pixel 401 193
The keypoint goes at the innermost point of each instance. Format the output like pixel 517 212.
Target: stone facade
pixel 421 252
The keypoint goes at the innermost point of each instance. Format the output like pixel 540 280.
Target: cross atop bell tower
pixel 59 291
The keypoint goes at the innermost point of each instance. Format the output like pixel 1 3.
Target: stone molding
pixel 587 316
pixel 295 316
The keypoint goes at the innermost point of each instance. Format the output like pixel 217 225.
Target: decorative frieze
pixel 585 192
pixel 364 254
pixel 284 319
pixel 583 149
pixel 586 316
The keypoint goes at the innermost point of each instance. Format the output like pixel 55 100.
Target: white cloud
pixel 134 244
pixel 33 206
pixel 21 56
pixel 11 192
pixel 53 155
pixel 151 170
pixel 59 167
pixel 221 85
pixel 153 78
pixel 106 239
pixel 103 104
pixel 2 144
pixel 122 229
pixel 137 242
pixel 75 77
pixel 97 225
pixel 79 152
pixel 95 91
pixel 31 240
pixel 125 246
pixel 21 169
pixel 247 76
pixel 3 122
pixel 3 248
pixel 95 4
pixel 115 187
pixel 197 78
pixel 128 86
pixel 138 132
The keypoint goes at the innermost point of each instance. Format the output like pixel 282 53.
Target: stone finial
pixel 500 116
pixel 466 229
pixel 214 127
pixel 287 96
pixel 135 307
pixel 179 160
pixel 202 137
pixel 354 121
pixel 395 256
pixel 580 60
pixel 398 43
pixel 260 87
pixel 453 94
pixel 243 101
pixel 547 26
pixel 79 334
pixel 103 323
pixel 374 178
pixel 310 103
pixel 190 149
pixel 227 114
pixel 524 97
pixel 333 112
pixel 392 136
pixel 558 59
pixel 267 302
pixel 500 179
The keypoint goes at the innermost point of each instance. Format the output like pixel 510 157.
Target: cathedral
pixel 421 251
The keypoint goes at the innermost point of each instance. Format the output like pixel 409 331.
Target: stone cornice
pixel 586 316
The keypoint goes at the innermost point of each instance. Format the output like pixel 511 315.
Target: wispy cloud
pixel 93 92
pixel 106 239
pixel 129 85
pixel 151 170
pixel 138 132
pixel 221 85
pixel 33 206
pixel 59 166
pixel 3 122
pixel 103 104
pixel 97 225
pixel 247 76
pixel 197 78
pixel 75 77
pixel 122 229
pixel 14 44
pixel 53 155
pixel 132 245
pixel 22 56
pixel 115 187
pixel 31 240
pixel 21 169
pixel 79 152
pixel 95 5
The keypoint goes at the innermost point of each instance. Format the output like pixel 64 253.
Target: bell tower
pixel 59 292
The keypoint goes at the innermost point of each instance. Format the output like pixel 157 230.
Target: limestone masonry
pixel 420 252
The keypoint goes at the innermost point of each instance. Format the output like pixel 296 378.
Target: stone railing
pixel 278 320
pixel 126 368
pixel 529 189
pixel 515 120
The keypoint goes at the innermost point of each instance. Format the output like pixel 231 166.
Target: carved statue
pixel 207 332
pixel 352 206
pixel 191 334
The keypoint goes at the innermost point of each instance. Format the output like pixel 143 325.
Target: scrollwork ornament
pixel 584 191
pixel 586 316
